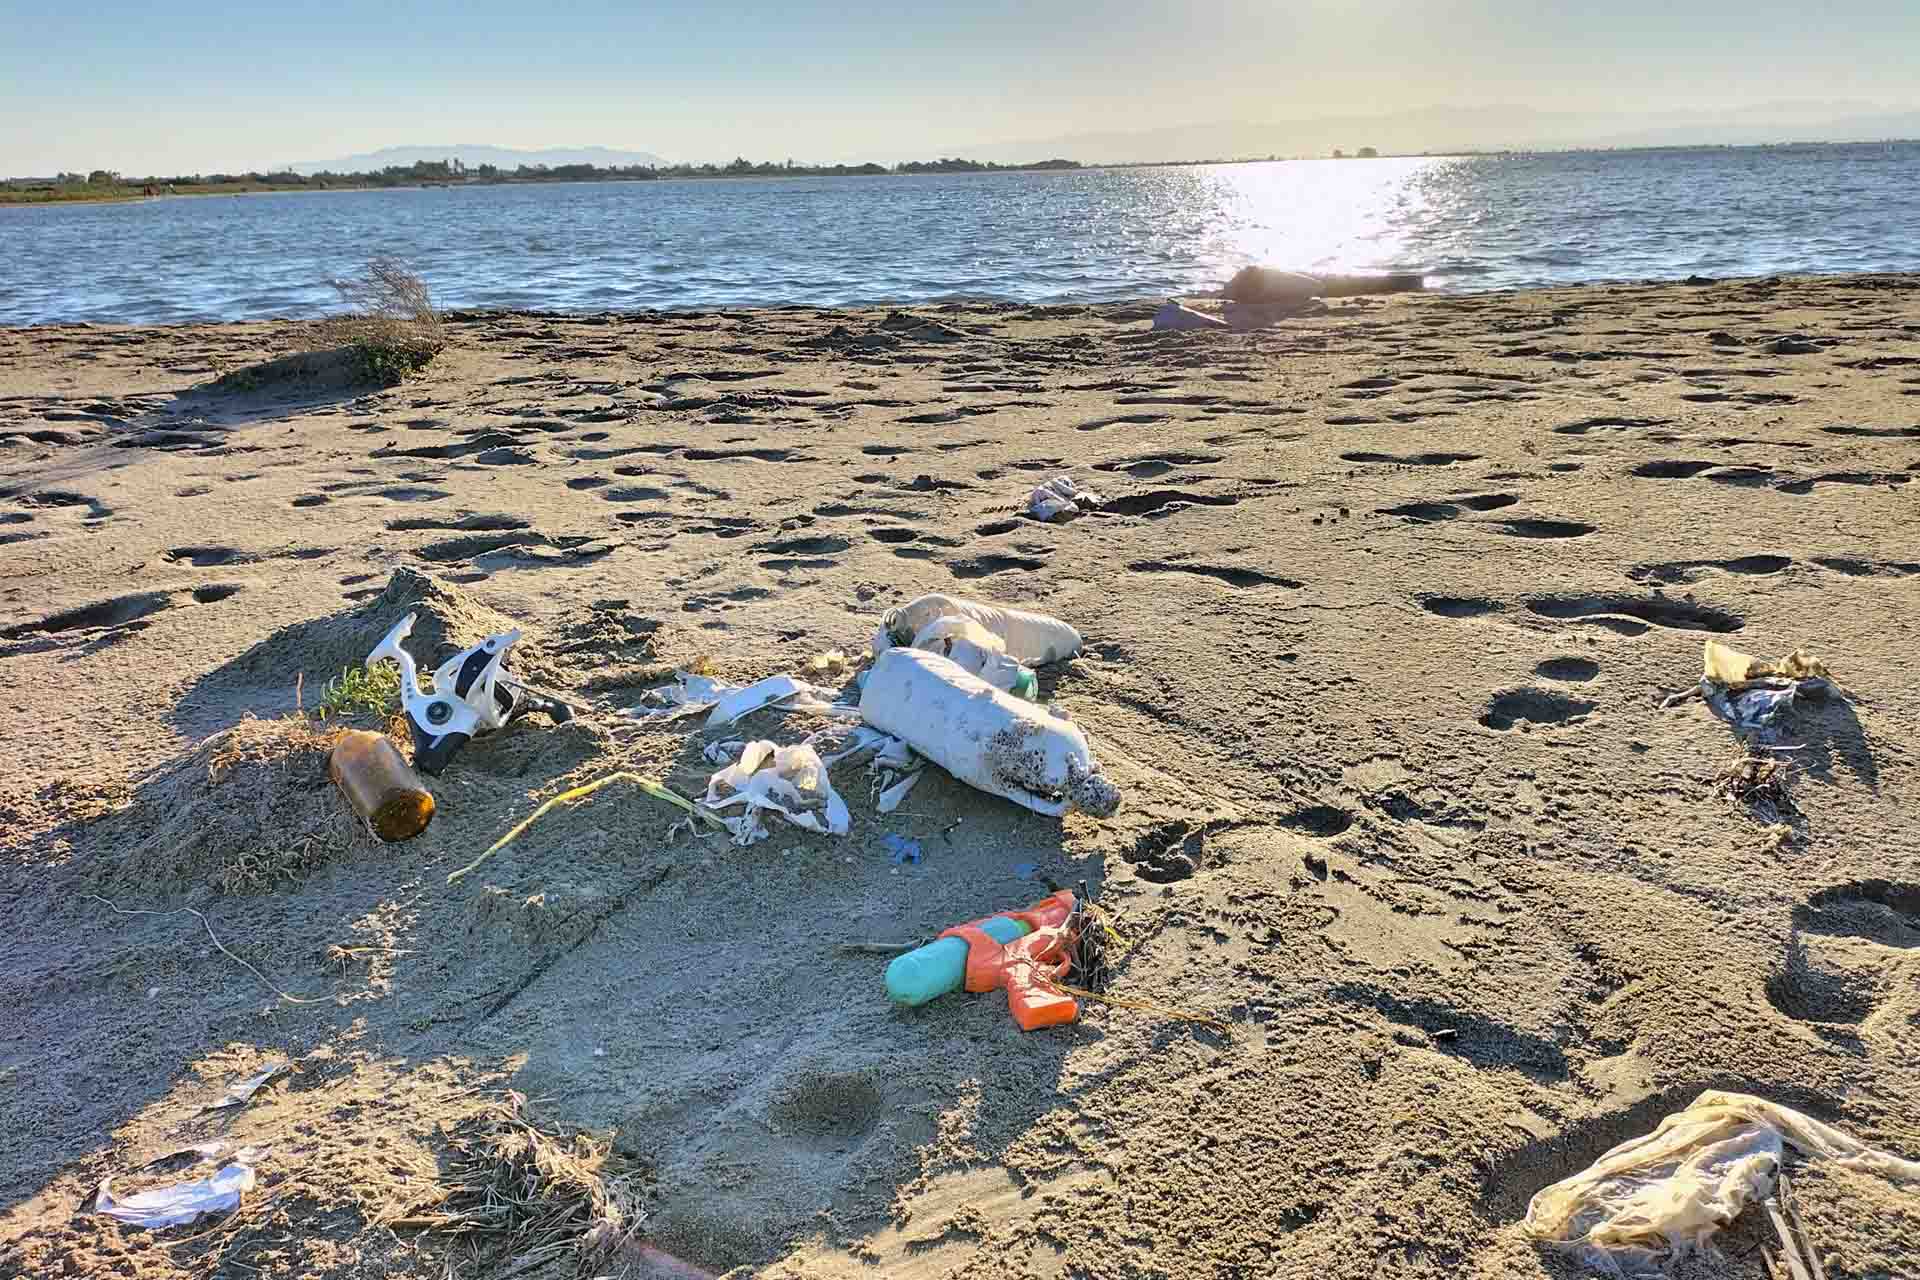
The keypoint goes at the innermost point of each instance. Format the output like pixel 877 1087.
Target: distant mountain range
pixel 1442 129
pixel 473 154
pixel 1436 129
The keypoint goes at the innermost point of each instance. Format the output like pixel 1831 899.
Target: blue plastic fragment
pixel 1026 870
pixel 901 850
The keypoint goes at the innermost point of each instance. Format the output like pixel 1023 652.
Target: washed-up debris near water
pixel 1061 499
pixel 979 651
pixel 1176 318
pixel 519 1191
pixel 471 694
pixel 988 739
pixel 1651 1200
pixel 1033 638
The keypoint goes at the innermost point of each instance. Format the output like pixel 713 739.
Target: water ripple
pixel 1475 222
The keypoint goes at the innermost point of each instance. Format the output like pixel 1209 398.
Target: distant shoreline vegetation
pixel 102 184
pixel 105 185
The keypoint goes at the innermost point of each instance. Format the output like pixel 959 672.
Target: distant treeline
pixel 449 172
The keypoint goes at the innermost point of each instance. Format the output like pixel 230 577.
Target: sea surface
pixel 1468 223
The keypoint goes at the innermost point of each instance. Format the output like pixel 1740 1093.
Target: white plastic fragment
pixel 1032 638
pixel 790 781
pixel 789 693
pixel 687 695
pixel 1176 317
pixel 725 703
pixel 1061 499
pixel 241 1092
pixel 180 1204
pixel 986 738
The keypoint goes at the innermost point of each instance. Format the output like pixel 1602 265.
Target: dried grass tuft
pixel 392 324
pixel 1762 783
pixel 515 1190
pixel 246 810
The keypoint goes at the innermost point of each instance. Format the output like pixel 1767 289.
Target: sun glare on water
pixel 1326 215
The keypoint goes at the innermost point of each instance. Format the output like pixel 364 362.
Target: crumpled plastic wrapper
pixel 1727 665
pixel 1061 499
pixel 789 781
pixel 1652 1199
pixel 1751 693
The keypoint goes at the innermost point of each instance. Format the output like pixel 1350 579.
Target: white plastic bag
pixel 1032 638
pixel 984 737
pixel 177 1205
pixel 790 781
pixel 1668 1192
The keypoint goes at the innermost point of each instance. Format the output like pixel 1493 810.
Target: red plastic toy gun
pixel 1027 966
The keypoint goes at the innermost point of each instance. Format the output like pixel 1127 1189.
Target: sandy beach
pixel 1380 607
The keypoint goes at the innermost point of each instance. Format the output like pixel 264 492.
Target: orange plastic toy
pixel 1025 965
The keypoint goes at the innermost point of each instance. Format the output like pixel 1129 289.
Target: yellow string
pixel 652 786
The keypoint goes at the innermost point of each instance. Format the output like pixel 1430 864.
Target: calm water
pixel 1469 223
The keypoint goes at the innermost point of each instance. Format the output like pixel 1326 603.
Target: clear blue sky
pixel 197 86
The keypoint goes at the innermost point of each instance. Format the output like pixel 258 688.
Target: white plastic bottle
pixel 984 737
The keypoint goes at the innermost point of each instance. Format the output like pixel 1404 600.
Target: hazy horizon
pixel 219 87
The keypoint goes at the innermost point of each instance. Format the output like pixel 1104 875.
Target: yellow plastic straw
pixel 652 786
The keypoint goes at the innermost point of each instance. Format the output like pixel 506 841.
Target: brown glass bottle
pixel 380 785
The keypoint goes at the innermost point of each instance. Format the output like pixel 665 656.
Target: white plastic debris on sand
pixel 986 738
pixel 1653 1199
pixel 178 1205
pixel 894 766
pixel 1176 317
pixel 789 781
pixel 1032 638
pixel 725 703
pixel 979 651
pixel 1061 499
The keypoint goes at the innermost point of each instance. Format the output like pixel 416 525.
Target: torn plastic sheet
pixel 177 1205
pixel 1725 664
pixel 1061 499
pixel 1655 1198
pixel 1751 693
pixel 1176 317
pixel 895 766
pixel 686 696
pixel 241 1093
pixel 790 781
pixel 1753 711
pixel 726 703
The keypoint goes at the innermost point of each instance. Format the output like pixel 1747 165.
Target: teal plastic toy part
pixel 928 972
